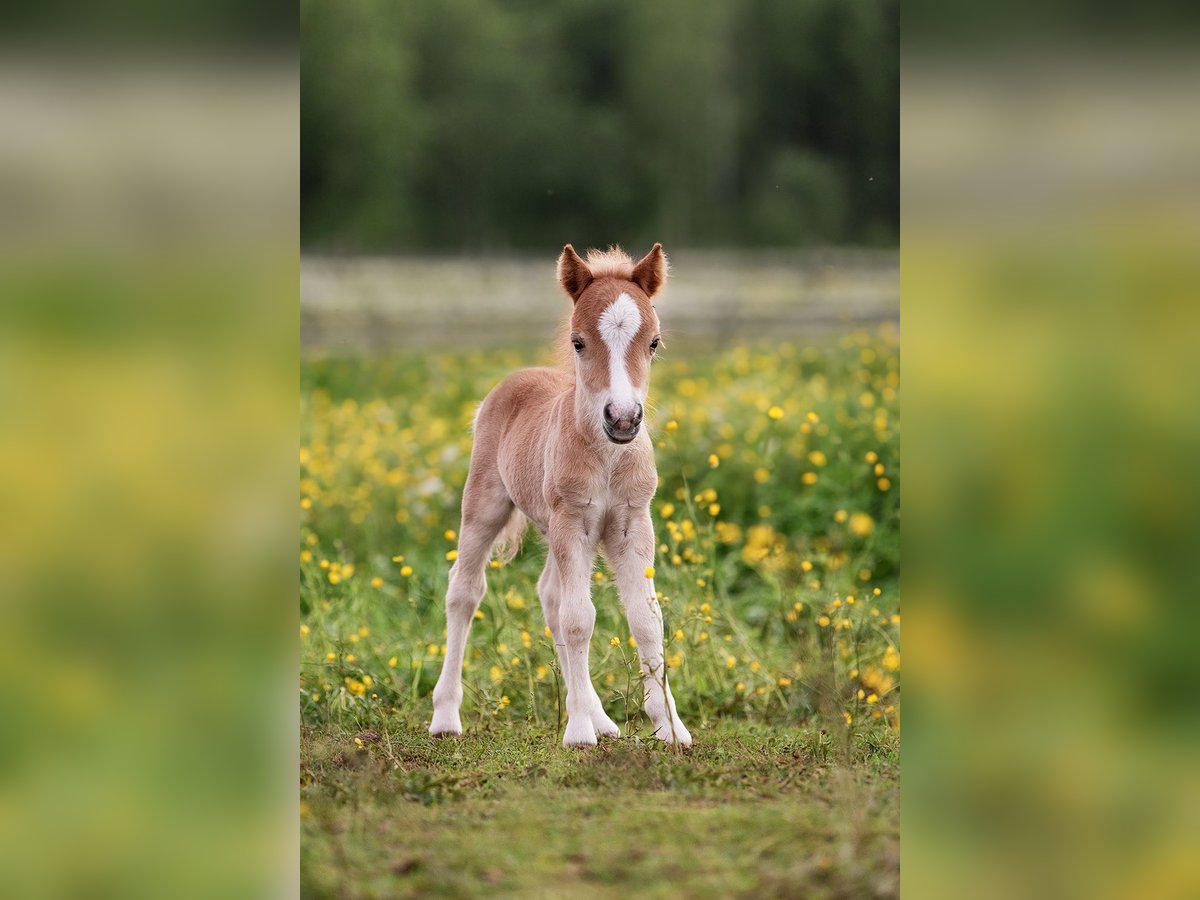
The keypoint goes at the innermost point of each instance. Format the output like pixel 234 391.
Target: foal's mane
pixel 611 263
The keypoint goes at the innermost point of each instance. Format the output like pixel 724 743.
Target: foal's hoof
pixel 579 736
pixel 677 735
pixel 606 727
pixel 445 726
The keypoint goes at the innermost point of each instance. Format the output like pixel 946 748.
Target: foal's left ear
pixel 650 274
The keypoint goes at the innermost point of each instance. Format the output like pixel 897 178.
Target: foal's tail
pixel 508 541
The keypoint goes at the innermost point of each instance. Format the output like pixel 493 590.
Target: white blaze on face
pixel 619 324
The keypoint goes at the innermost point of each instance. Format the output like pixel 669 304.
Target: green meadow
pixel 777 517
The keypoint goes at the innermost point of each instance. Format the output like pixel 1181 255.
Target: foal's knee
pixel 576 621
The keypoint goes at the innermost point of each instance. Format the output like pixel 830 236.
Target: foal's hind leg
pixel 550 592
pixel 486 508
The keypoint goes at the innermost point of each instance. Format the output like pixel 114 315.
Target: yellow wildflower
pixel 891 659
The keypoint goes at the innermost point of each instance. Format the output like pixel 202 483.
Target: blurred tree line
pixel 505 124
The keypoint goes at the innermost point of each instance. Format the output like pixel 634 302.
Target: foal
pixel 565 449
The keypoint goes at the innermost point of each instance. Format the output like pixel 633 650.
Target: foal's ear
pixel 573 273
pixel 650 274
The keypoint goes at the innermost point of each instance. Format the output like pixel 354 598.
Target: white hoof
pixel 677 735
pixel 605 727
pixel 445 724
pixel 579 734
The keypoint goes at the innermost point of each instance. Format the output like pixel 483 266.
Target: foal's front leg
pixel 572 553
pixel 550 592
pixel 629 546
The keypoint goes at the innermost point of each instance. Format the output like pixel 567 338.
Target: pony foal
pixel 565 449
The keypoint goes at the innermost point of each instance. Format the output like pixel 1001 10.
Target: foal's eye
pixel 577 344
pixel 654 345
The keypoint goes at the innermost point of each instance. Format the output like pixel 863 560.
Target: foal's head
pixel 614 335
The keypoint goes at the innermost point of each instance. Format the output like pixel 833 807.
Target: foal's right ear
pixel 573 273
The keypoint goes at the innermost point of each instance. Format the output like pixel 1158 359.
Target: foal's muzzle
pixel 623 428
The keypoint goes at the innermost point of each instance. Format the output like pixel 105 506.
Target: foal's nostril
pixel 637 418
pixel 608 414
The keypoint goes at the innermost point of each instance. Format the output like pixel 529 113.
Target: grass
pixel 750 811
pixel 778 577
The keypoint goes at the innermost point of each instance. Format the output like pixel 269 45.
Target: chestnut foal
pixel 566 449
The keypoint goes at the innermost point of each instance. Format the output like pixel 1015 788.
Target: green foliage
pixel 483 126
